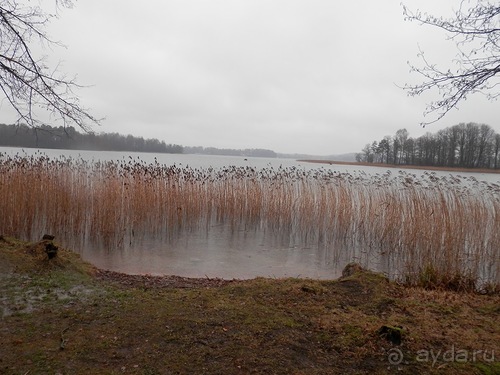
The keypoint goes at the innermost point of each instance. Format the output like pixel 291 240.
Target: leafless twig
pixel 25 80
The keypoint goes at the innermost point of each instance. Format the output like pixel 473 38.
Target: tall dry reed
pixel 425 229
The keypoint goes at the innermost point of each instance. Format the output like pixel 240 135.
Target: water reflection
pixel 221 252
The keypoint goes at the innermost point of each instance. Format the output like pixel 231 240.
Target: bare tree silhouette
pixel 475 30
pixel 26 80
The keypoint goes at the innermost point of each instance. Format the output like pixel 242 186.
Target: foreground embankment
pixel 63 316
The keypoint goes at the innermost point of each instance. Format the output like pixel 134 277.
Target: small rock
pixel 51 250
pixel 351 269
pixel 392 334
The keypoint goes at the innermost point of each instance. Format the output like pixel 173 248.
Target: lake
pixel 220 161
pixel 220 249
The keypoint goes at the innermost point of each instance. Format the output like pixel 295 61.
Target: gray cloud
pixel 301 76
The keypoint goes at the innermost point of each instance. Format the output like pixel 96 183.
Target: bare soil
pixel 63 316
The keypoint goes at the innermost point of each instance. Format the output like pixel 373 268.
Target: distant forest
pixel 464 146
pixel 69 138
pixel 253 152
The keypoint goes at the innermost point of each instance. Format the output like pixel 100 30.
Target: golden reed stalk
pixel 427 230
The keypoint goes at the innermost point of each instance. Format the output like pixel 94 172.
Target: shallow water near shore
pixel 222 253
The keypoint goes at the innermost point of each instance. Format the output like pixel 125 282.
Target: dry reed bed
pixel 424 230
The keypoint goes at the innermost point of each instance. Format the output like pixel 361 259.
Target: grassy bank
pixel 63 316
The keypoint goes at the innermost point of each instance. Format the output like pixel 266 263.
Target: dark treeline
pixel 69 138
pixel 464 146
pixel 255 152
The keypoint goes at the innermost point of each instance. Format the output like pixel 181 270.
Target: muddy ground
pixel 63 316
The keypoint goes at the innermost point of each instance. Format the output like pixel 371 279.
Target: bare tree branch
pixel 26 81
pixel 475 30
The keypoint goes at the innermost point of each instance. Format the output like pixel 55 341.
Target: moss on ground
pixel 63 316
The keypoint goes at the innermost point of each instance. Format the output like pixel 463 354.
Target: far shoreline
pixel 397 166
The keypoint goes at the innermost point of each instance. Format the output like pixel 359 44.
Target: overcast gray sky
pixel 295 76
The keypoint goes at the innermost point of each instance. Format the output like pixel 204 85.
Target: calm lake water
pixel 219 161
pixel 221 251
